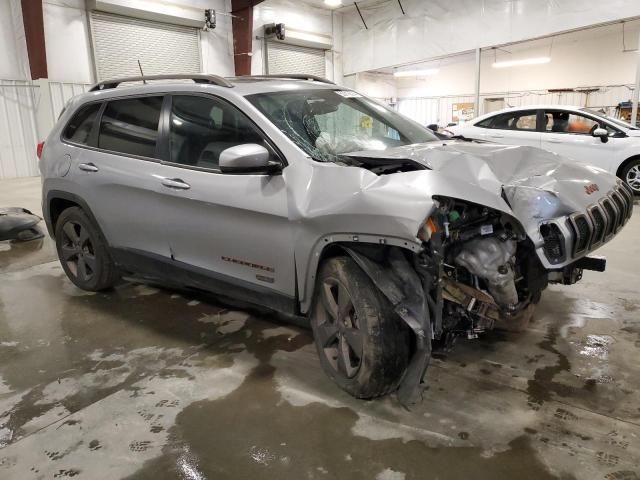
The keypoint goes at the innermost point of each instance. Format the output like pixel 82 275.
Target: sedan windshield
pixel 329 123
pixel 615 121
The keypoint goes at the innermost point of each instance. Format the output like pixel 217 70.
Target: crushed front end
pixel 482 268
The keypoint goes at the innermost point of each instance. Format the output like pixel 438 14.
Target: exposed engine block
pixel 491 259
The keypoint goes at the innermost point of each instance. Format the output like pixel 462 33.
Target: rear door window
pixel 130 126
pixel 519 120
pixel 79 127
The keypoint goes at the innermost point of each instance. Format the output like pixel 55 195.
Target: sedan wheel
pixel 632 177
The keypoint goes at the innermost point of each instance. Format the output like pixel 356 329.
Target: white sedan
pixel 584 135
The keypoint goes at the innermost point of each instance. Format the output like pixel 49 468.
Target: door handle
pixel 554 141
pixel 493 135
pixel 88 167
pixel 175 183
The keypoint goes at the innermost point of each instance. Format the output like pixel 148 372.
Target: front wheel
pixel 631 175
pixel 83 252
pixel 363 346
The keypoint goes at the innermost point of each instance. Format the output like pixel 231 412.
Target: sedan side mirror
pixel 247 158
pixel 601 133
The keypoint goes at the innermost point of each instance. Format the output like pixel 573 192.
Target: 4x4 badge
pixel 591 188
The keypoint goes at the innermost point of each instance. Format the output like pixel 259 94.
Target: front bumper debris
pixel 19 224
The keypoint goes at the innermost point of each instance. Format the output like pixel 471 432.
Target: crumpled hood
pixel 491 166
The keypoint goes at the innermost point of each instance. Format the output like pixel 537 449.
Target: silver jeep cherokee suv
pixel 308 198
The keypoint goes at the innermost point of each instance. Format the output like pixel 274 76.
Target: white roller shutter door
pixel 118 43
pixel 285 58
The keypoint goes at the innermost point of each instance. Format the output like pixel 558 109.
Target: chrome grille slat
pixel 599 224
pixel 625 191
pixel 583 229
pixel 621 203
pixel 612 218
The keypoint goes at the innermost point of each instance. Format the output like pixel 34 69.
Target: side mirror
pixel 247 158
pixel 601 133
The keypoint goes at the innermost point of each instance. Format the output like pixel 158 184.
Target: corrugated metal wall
pixel 428 110
pixel 61 93
pixel 19 104
pixel 18 136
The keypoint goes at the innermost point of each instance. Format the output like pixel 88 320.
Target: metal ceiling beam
pixel 242 26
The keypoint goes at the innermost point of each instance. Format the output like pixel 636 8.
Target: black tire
pixel 366 320
pixel 83 251
pixel 630 174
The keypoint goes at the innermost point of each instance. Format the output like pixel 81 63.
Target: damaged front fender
pixel 398 281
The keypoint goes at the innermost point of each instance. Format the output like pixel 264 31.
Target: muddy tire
pixel 83 251
pixel 630 174
pixel 363 346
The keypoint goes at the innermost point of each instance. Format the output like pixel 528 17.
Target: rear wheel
pixel 631 175
pixel 363 346
pixel 83 252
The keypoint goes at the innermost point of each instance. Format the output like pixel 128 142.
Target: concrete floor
pixel 145 383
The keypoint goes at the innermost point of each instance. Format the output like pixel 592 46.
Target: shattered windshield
pixel 329 123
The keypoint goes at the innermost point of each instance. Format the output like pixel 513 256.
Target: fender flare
pixel 60 194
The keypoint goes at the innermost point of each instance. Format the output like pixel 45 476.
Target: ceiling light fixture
pixel 416 73
pixel 333 3
pixel 519 63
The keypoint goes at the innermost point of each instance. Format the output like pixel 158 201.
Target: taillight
pixel 39 149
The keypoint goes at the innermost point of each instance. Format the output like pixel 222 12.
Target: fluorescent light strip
pixel 524 61
pixel 333 3
pixel 416 73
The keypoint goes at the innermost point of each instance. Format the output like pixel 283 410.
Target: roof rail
pixel 294 76
pixel 113 83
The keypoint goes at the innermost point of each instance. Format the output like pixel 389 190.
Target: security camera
pixel 209 19
pixel 274 30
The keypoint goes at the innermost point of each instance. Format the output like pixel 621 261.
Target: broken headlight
pixel 533 202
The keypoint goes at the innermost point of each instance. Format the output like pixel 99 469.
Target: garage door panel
pixel 285 58
pixel 118 43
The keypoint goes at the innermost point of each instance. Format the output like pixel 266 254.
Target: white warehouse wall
pixel 592 57
pixel 66 31
pixel 315 24
pixel 439 28
pixel 68 42
pixel 30 108
pixel 14 61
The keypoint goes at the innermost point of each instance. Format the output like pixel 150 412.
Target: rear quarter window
pixel 79 127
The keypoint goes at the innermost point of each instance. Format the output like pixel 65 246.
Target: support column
pixel 242 24
pixel 45 118
pixel 477 88
pixel 636 91
pixel 33 21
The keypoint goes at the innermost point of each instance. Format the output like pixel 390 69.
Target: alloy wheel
pixel 338 330
pixel 77 251
pixel 633 178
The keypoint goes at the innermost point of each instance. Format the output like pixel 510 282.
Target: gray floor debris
pixel 146 383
